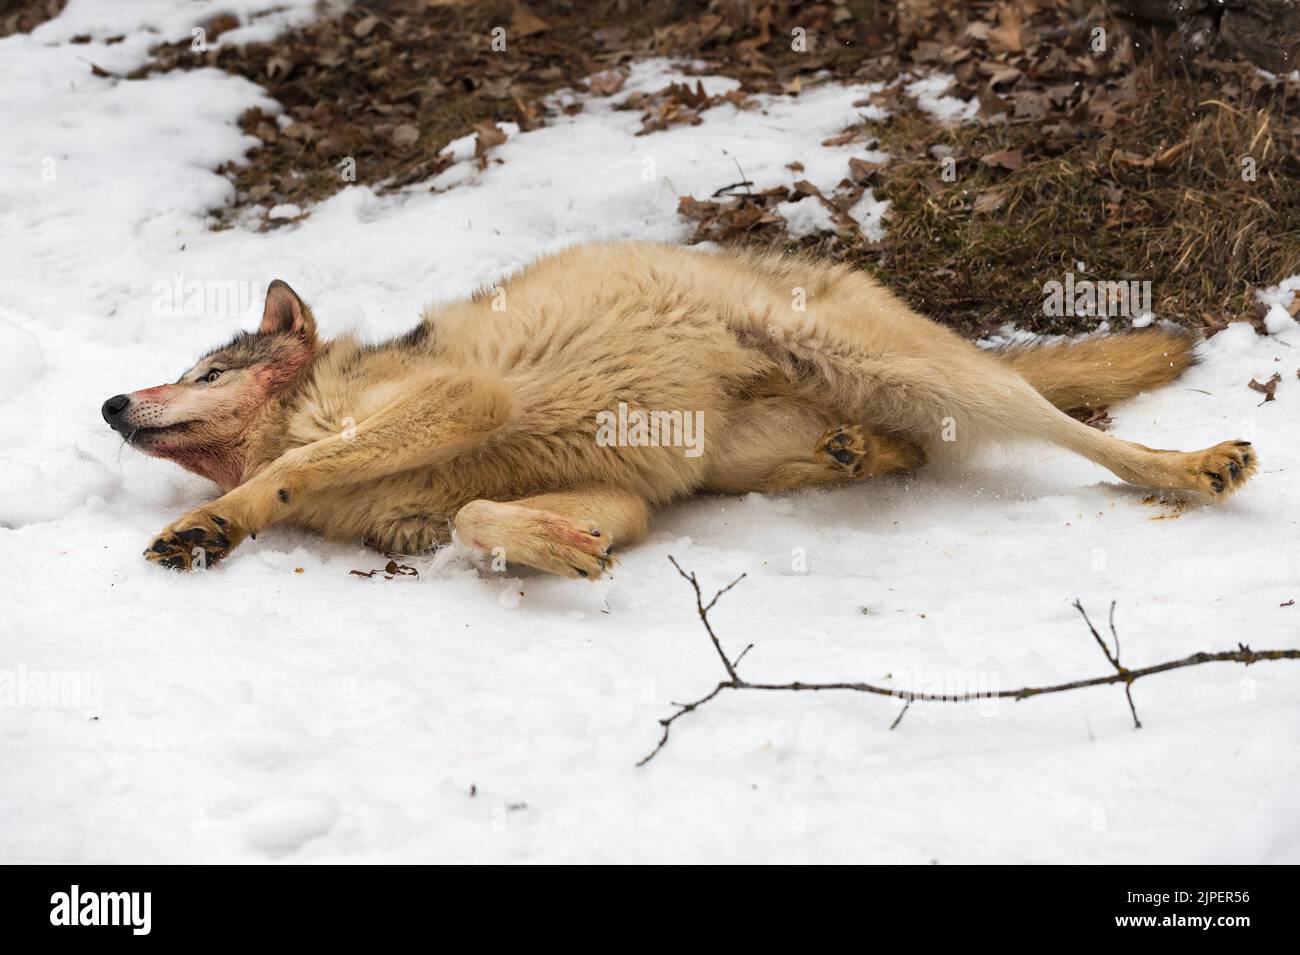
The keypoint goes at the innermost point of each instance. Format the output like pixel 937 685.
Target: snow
pixel 280 709
pixel 21 358
pixel 869 213
pixel 144 23
pixel 285 210
pixel 806 217
pixel 929 92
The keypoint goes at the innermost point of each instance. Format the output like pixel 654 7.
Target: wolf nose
pixel 113 409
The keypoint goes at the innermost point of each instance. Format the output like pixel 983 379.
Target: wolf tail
pixel 1098 371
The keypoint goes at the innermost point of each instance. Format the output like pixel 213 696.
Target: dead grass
pixel 1160 196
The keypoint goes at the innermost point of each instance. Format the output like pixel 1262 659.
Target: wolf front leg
pixel 570 533
pixel 435 420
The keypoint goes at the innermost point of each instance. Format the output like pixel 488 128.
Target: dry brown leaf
pixel 764 31
pixel 694 209
pixel 524 23
pixel 1008 36
pixel 1268 388
pixel 1098 417
pixel 990 200
pixel 844 138
pixel 991 104
pixel 488 134
pixel 999 73
pixel 608 82
pixel 1213 324
pixel 405 135
pixel 1031 104
pixel 1011 159
pixel 860 170
pixel 219 24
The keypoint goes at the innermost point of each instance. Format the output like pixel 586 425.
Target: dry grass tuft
pixel 1158 196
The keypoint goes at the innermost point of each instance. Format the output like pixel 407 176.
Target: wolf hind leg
pixel 781 444
pixel 1217 471
pixel 844 454
pixel 971 397
pixel 1012 409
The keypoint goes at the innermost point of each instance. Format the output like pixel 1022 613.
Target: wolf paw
pixel 856 451
pixel 198 540
pixel 846 447
pixel 537 538
pixel 1223 469
pixel 583 550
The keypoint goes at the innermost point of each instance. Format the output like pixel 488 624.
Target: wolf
pixel 482 420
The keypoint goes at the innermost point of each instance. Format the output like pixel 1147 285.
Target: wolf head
pixel 203 421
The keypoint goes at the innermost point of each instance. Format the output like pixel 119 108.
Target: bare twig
pixel 745 180
pixel 704 616
pixel 726 190
pixel 1113 658
pixel 1243 655
pixel 901 713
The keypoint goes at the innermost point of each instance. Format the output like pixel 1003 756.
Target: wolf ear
pixel 285 313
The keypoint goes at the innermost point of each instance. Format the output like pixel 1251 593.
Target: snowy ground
pixel 278 708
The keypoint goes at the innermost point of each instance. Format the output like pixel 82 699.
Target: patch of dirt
pixel 1170 508
pixel 389 83
pixel 24 16
pixel 1108 155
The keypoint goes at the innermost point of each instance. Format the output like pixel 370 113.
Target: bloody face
pixel 202 421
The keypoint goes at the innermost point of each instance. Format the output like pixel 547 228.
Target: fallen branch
pixel 1243 655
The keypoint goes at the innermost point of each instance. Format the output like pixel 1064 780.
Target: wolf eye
pixel 212 375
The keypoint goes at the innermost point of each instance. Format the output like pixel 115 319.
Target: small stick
pixel 1243 655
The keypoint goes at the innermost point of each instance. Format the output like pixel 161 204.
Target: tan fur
pixel 485 417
